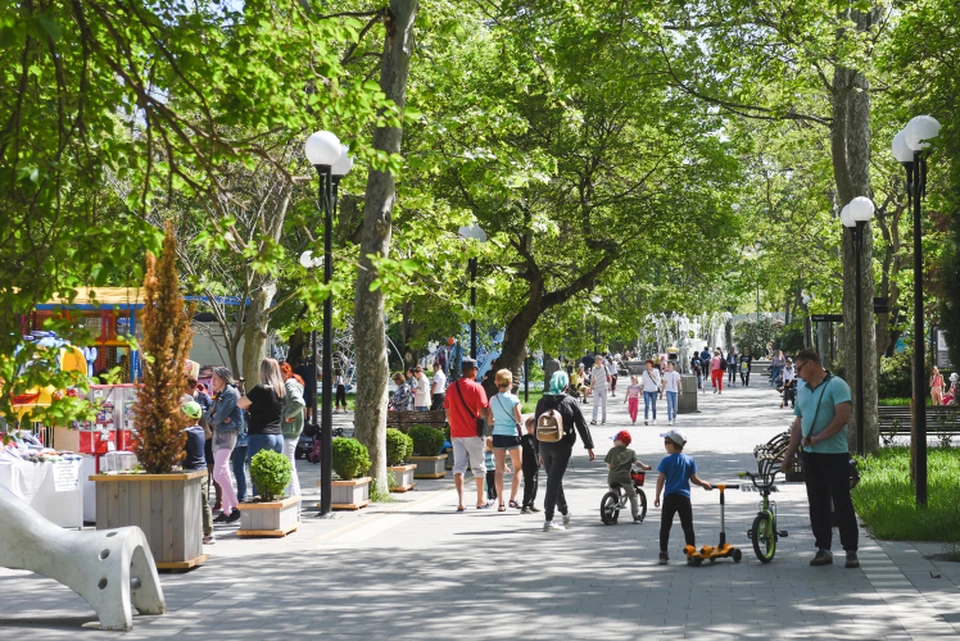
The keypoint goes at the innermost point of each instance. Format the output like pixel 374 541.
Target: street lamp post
pixel 855 215
pixel 596 326
pixel 908 146
pixel 475 232
pixel 325 153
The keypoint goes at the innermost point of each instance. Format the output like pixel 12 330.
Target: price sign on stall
pixel 65 476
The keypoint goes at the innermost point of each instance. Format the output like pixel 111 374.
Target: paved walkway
pixel 414 569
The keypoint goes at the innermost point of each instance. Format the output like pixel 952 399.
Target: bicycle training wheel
pixel 610 508
pixel 642 504
pixel 764 538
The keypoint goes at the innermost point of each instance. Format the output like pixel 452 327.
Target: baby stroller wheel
pixel 610 508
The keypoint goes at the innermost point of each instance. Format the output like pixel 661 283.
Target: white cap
pixel 676 436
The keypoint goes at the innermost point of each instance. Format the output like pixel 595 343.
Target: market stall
pixel 47 480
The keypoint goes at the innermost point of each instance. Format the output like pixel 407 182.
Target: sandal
pixel 514 504
pixel 501 508
pixel 460 508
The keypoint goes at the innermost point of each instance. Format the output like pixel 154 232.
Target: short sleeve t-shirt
pixel 266 410
pixel 439 381
pixel 421 391
pixel 828 394
pixel 463 422
pixel 504 421
pixel 633 391
pixel 651 380
pixel 620 459
pixel 671 382
pixel 598 377
pixel 677 468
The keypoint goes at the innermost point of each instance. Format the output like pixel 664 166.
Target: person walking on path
pixel 293 407
pixel 673 390
pixel 556 456
pixel 402 397
pixel 820 428
pixel 531 465
pixel 505 407
pixel 438 386
pixel 732 367
pixel 716 372
pixel 677 471
pixel 632 399
pixel 612 372
pixel 421 390
pixel 936 386
pixel 652 389
pixel 265 404
pixel 599 380
pixel 464 404
pixel 196 460
pixel 225 418
pixel 777 363
pixel 745 363
pixel 697 368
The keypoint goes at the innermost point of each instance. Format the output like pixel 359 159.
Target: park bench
pixel 405 419
pixel 943 421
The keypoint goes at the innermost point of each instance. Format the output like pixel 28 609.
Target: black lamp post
pixel 596 300
pixel 328 156
pixel 908 146
pixel 855 215
pixel 473 231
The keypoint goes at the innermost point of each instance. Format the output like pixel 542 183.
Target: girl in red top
pixel 716 373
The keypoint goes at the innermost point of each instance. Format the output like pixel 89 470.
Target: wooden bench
pixel 405 419
pixel 896 420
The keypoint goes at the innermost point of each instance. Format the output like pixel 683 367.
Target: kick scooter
pixel 723 549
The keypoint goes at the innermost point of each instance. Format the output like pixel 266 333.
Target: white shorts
pixel 468 452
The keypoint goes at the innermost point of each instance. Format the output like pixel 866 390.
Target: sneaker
pixel 823 557
pixel 852 561
pixel 234 516
pixel 663 559
pixel 645 422
pixel 534 509
pixel 550 526
pixel 593 422
pixel 637 520
pixel 566 518
pixel 209 539
pixel 654 421
pixel 603 422
pixel 526 510
pixel 221 518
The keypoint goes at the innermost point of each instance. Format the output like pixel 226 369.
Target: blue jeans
pixel 257 442
pixel 671 406
pixel 774 373
pixel 238 459
pixel 650 400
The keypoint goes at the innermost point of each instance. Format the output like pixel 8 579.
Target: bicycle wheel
pixel 764 538
pixel 610 508
pixel 642 504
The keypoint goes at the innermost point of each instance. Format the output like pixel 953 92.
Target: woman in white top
pixel 671 386
pixel 651 390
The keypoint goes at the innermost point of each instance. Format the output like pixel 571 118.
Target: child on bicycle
pixel 677 471
pixel 619 460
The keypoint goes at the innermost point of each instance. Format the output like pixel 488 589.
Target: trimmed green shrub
pixel 427 441
pixel 399 446
pixel 350 458
pixel 271 473
pixel 896 376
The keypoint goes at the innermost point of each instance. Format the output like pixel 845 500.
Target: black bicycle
pixel 764 533
pixel 616 499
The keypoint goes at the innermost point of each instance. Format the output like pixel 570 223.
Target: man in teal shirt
pixel 822 412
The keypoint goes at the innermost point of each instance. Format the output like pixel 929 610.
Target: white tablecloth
pixel 38 485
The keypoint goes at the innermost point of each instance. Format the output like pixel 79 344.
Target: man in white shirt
pixel 438 386
pixel 421 390
pixel 598 389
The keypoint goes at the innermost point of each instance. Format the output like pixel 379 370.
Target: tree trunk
pixel 255 332
pixel 369 330
pixel 850 146
pixel 514 350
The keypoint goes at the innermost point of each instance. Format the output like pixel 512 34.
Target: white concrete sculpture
pixel 111 569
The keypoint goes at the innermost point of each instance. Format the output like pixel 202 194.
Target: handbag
pixel 481 423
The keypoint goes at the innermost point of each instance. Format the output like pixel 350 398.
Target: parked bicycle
pixel 764 533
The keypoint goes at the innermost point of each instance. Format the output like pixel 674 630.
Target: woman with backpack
pixel 558 419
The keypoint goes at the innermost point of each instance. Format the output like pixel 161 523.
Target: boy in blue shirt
pixel 677 471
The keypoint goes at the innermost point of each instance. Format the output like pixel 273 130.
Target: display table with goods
pixel 46 480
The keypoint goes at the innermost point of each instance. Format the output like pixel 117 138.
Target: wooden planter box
pixel 430 467
pixel 450 459
pixel 270 518
pixel 402 477
pixel 350 495
pixel 165 506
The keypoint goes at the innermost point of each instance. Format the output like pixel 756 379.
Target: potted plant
pixel 399 447
pixel 427 443
pixel 350 460
pixel 159 498
pixel 270 514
